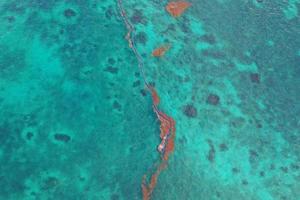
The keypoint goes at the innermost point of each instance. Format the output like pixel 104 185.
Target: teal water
pixel 76 121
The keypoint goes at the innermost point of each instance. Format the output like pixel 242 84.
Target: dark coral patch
pixel 253 157
pixel 213 54
pixel 151 83
pixel 235 170
pixel 111 69
pixel 143 92
pixel 111 61
pixel 213 99
pixel 29 135
pixel 212 152
pixel 284 169
pixel 136 83
pixel 208 38
pixel 223 147
pixel 272 167
pixel 255 78
pixel 253 153
pixel 109 13
pixel 117 105
pixel 141 37
pixel 69 13
pixel 62 137
pixel 245 182
pixel 295 166
pixel 10 19
pixel 259 125
pixel 137 74
pixel 137 17
pixel 114 197
pixel 190 111
pixel 50 183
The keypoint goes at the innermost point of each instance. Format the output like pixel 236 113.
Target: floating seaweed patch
pixel 176 9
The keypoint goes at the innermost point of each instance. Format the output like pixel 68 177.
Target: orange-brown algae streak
pixel 148 189
pixel 167 126
pixel 177 8
pixel 155 97
pixel 160 51
pixel 170 123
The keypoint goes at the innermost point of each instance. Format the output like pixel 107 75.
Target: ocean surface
pixel 77 120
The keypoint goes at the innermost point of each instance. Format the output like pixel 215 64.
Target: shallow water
pixel 76 120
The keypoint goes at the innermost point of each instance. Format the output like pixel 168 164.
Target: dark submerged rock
pixel 213 99
pixel 62 137
pixel 190 111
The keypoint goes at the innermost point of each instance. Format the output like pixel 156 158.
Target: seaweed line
pixel 167 123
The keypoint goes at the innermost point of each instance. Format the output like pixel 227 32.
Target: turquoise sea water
pixel 76 121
